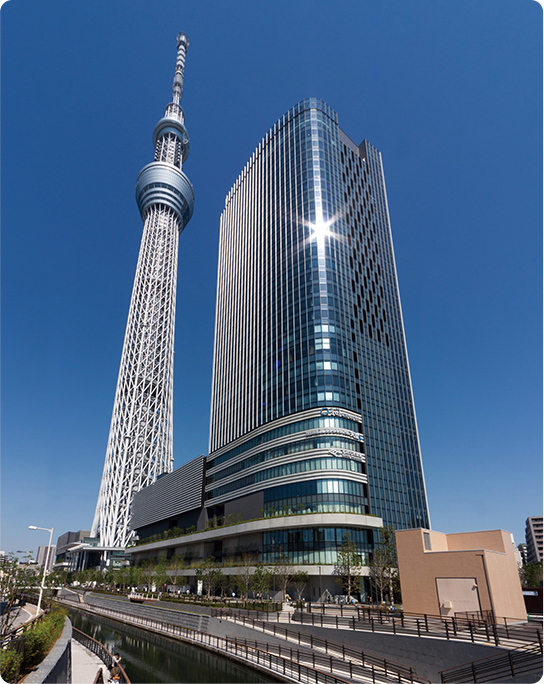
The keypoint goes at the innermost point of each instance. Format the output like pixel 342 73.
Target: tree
pixel 531 575
pixel 161 576
pixel 261 580
pixel 284 572
pixel 56 578
pixel 223 583
pixel 383 565
pixel 243 579
pixel 14 580
pixel 136 576
pixel 148 572
pixel 123 577
pixel 208 573
pixel 111 577
pixel 300 580
pixel 176 564
pixel 348 568
pixel 387 541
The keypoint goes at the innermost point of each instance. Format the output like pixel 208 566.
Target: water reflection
pixel 149 658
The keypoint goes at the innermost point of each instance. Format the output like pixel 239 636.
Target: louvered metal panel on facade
pixel 171 495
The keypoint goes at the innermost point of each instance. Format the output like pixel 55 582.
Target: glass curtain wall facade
pixel 310 363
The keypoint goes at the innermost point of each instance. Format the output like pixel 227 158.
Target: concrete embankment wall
pixel 192 617
pixel 56 668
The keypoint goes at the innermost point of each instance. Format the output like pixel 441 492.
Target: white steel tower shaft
pixel 140 439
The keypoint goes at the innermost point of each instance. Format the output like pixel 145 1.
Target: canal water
pixel 149 658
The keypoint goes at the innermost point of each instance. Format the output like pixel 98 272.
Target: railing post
pixel 447 633
pixel 473 672
pixel 511 660
pixel 496 635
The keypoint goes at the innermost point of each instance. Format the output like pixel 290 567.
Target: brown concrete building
pixel 449 574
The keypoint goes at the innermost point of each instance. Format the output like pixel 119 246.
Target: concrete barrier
pixel 56 668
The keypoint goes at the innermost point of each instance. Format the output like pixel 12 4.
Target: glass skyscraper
pixel 312 407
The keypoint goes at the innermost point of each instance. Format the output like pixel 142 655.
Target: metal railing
pixel 514 663
pixel 17 632
pixel 459 628
pixel 298 665
pixel 99 679
pixel 380 666
pixel 99 650
pixel 354 664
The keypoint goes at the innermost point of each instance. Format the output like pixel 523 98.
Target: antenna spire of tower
pixel 177 87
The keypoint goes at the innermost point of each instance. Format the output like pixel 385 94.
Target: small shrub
pixel 41 636
pixel 10 662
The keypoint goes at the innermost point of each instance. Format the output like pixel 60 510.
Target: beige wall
pixel 459 556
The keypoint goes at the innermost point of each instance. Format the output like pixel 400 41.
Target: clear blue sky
pixel 449 91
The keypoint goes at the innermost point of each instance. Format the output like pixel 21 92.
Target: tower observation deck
pixel 140 438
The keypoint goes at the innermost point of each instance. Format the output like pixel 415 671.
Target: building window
pixel 427 541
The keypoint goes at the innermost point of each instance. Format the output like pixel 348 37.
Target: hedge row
pixel 38 639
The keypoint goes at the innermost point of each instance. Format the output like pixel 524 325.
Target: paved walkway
pixel 85 665
pixel 24 615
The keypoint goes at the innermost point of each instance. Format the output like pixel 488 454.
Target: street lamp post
pixel 42 587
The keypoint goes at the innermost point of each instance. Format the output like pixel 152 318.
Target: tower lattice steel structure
pixel 140 439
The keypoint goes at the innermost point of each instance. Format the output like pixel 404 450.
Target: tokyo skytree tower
pixel 140 439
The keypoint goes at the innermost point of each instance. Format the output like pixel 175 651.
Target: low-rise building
pixel 65 543
pixel 457 574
